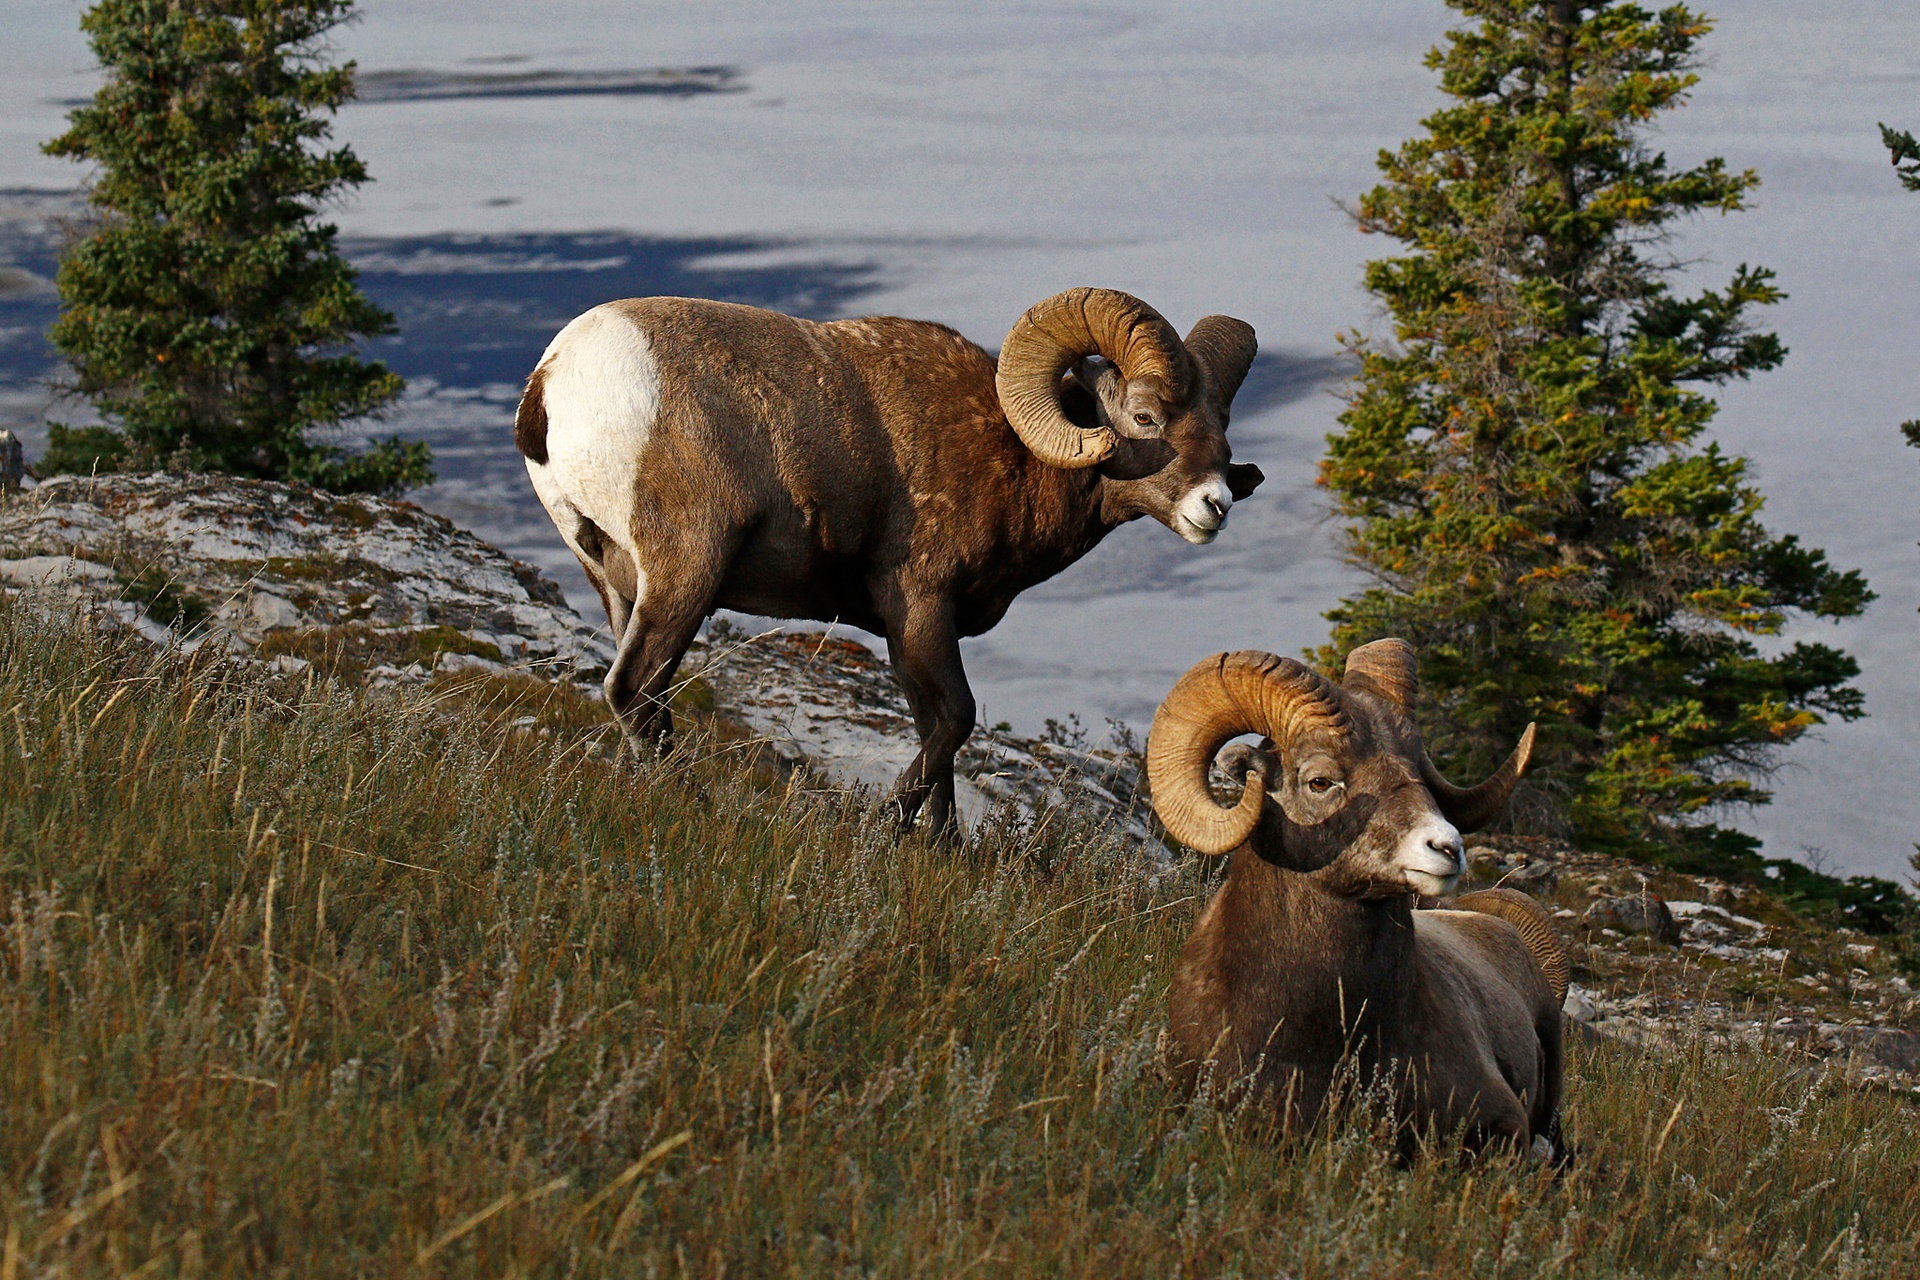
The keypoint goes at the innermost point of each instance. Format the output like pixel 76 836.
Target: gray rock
pixel 1514 871
pixel 271 612
pixel 1644 912
pixel 241 560
pixel 1889 1048
pixel 1539 878
pixel 832 703
pixel 52 571
pixel 451 662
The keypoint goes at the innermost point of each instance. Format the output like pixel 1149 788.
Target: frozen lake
pixel 960 162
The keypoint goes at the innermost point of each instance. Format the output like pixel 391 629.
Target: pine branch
pixel 1905 152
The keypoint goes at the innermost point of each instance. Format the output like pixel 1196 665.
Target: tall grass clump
pixel 297 980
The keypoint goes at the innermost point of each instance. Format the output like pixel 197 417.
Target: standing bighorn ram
pixel 1313 955
pixel 881 472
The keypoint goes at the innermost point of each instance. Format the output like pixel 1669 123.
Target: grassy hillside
pixel 306 982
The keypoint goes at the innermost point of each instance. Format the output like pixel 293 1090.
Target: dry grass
pixel 295 981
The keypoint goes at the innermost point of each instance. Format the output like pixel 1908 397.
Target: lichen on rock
pixel 275 570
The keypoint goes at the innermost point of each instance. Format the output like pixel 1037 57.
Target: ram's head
pixel 1147 408
pixel 1339 787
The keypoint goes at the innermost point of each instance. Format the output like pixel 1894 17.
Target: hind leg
pixel 619 608
pixel 664 619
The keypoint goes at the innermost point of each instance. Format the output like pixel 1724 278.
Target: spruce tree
pixel 1523 467
pixel 1905 153
pixel 1900 144
pixel 209 314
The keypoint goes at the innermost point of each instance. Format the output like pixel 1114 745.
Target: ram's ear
pixel 1242 479
pixel 1238 759
pixel 1098 377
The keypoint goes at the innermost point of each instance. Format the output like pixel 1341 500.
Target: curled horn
pixel 1067 327
pixel 1530 919
pixel 1471 808
pixel 1387 667
pixel 1219 699
pixel 1224 347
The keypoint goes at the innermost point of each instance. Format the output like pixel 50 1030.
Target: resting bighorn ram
pixel 1313 954
pixel 880 472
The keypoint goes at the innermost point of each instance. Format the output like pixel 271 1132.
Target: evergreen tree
pixel 209 313
pixel 1905 152
pixel 1523 469
pixel 1906 156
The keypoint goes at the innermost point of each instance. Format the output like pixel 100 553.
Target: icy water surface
pixel 960 162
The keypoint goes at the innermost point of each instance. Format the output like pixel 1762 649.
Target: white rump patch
pixel 602 398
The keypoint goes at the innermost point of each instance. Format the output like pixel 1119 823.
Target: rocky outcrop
pixel 829 701
pixel 288 575
pixel 1659 958
pixel 271 569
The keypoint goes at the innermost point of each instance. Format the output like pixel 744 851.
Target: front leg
pixel 925 650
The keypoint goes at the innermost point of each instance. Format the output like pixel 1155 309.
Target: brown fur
pixel 530 420
pixel 1312 958
pixel 862 471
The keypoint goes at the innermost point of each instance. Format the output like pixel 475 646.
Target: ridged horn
pixel 1530 919
pixel 1225 347
pixel 1219 699
pixel 1068 327
pixel 1471 808
pixel 1388 666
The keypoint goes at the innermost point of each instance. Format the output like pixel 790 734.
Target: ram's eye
pixel 1143 419
pixel 1320 786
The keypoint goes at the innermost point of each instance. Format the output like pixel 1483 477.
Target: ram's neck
pixel 1027 523
pixel 1330 971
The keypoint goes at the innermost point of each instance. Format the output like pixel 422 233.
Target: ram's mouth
pixel 1198 534
pixel 1429 885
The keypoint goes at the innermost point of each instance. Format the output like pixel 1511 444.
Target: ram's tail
pixel 530 422
pixel 1531 919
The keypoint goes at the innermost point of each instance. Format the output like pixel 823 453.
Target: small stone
pixel 271 612
pixel 449 662
pixel 1533 877
pixel 49 571
pixel 1644 912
